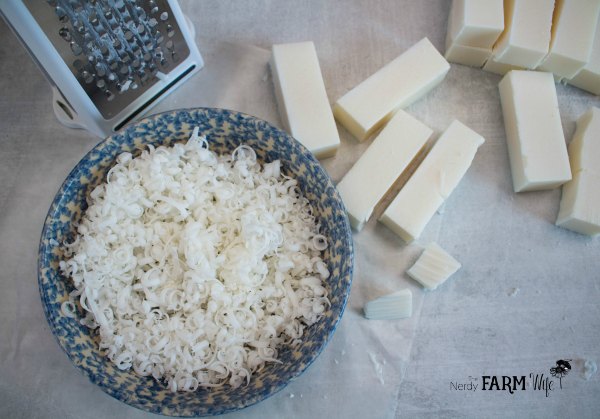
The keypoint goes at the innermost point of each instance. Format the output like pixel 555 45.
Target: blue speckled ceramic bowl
pixel 225 130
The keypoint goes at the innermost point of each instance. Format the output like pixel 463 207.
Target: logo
pixel 562 369
pixel 516 383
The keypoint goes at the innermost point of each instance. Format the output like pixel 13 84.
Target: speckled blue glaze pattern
pixel 225 130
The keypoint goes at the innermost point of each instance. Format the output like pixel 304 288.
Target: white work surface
pixel 527 295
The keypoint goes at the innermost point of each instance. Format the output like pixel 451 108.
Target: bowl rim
pixel 43 251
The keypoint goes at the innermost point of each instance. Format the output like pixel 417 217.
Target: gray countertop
pixel 527 294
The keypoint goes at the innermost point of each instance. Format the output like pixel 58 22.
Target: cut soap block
pixel 584 148
pixel 498 68
pixel 433 267
pixel 475 23
pixel 403 81
pixel 397 305
pixel 534 134
pixel 588 78
pixel 527 33
pixel 381 165
pixel 572 37
pixel 302 99
pixel 580 202
pixel 471 56
pixel 433 181
pixel 473 28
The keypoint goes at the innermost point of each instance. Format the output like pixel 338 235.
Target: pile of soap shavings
pixel 196 267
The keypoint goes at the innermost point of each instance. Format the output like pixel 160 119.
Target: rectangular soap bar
pixel 401 82
pixel 433 181
pixel 573 33
pixel 302 99
pixel 580 202
pixel 471 56
pixel 588 78
pixel 527 32
pixel 433 267
pixel 584 148
pixel 534 134
pixel 499 68
pixel 381 165
pixel 475 23
pixel 397 305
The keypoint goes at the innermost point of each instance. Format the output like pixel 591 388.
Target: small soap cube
pixel 573 33
pixel 433 181
pixel 397 305
pixel 302 99
pixel 534 134
pixel 527 32
pixel 433 267
pixel 368 106
pixel 588 78
pixel 475 23
pixel 381 165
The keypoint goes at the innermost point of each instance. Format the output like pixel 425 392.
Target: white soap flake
pixel 377 366
pixel 589 368
pixel 513 291
pixel 195 268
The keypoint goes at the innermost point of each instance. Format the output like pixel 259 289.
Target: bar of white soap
pixel 397 305
pixel 534 134
pixel 401 82
pixel 573 33
pixel 302 99
pixel 498 68
pixel 433 181
pixel 433 267
pixel 580 202
pixel 588 78
pixel 584 148
pixel 526 37
pixel 381 165
pixel 471 56
pixel 475 23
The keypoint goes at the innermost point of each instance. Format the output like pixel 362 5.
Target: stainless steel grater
pixel 108 61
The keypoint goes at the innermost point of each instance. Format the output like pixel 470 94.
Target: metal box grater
pixel 108 61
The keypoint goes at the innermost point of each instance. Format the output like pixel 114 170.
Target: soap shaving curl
pixel 195 268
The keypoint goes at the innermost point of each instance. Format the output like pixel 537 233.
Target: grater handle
pixel 65 113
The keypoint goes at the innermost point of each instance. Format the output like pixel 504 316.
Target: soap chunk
pixel 301 98
pixel 403 81
pixel 433 267
pixel 580 202
pixel 433 181
pixel 381 165
pixel 573 33
pixel 498 68
pixel 397 305
pixel 534 134
pixel 475 23
pixel 527 33
pixel 584 148
pixel 588 78
pixel 471 56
